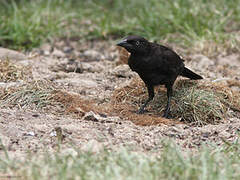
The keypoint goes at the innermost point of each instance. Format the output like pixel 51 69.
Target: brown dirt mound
pixel 123 56
pixel 73 103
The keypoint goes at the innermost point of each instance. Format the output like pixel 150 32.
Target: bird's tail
pixel 189 74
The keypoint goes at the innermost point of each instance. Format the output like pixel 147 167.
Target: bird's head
pixel 135 44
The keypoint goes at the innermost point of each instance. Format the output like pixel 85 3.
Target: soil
pixel 87 74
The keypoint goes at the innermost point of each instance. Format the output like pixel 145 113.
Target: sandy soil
pixel 91 71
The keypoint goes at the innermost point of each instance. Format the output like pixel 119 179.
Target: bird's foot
pixel 141 111
pixel 167 115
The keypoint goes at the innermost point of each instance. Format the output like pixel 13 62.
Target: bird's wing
pixel 167 60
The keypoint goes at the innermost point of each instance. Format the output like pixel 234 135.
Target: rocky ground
pixel 91 72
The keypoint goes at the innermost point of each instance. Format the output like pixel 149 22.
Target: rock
pixel 201 62
pixel 80 111
pixel 91 116
pixel 231 60
pixel 74 66
pixel 53 134
pixel 30 133
pixel 92 55
pixel 123 55
pixel 122 71
pixel 68 65
pixel 92 67
pixel 46 49
pixel 8 54
pixel 67 49
pixel 58 53
pixel 81 82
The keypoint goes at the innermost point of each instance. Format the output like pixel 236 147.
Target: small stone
pixel 53 134
pixel 8 54
pixel 35 115
pixel 92 67
pixel 91 116
pixel 30 133
pixel 46 49
pixel 233 58
pixel 68 65
pixel 122 71
pixel 205 134
pixel 74 66
pixel 79 111
pixel 200 61
pixel 67 49
pixel 93 55
pixel 58 53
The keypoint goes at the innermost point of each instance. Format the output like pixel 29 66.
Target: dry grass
pixel 11 72
pixel 38 94
pixel 34 95
pixel 193 102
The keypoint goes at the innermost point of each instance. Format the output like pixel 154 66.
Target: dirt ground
pixel 87 74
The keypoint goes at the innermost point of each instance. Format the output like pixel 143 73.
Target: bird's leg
pixel 169 97
pixel 150 97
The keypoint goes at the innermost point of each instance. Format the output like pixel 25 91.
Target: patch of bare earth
pixel 86 91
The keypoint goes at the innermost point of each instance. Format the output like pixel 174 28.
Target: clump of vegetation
pixel 203 103
pixel 193 102
pixel 12 72
pixel 42 94
pixel 174 163
pixel 35 94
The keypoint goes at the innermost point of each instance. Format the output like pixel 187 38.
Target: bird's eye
pixel 137 43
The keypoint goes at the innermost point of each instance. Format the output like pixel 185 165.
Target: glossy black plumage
pixel 156 65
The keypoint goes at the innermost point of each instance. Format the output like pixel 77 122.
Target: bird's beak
pixel 122 43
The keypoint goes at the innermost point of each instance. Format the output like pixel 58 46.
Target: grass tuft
pixel 198 103
pixel 34 95
pixel 11 72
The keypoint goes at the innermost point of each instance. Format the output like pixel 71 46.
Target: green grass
pixel 172 163
pixel 26 24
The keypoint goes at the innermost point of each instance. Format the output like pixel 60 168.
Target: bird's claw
pixel 166 114
pixel 140 111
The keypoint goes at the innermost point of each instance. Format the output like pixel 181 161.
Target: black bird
pixel 156 65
